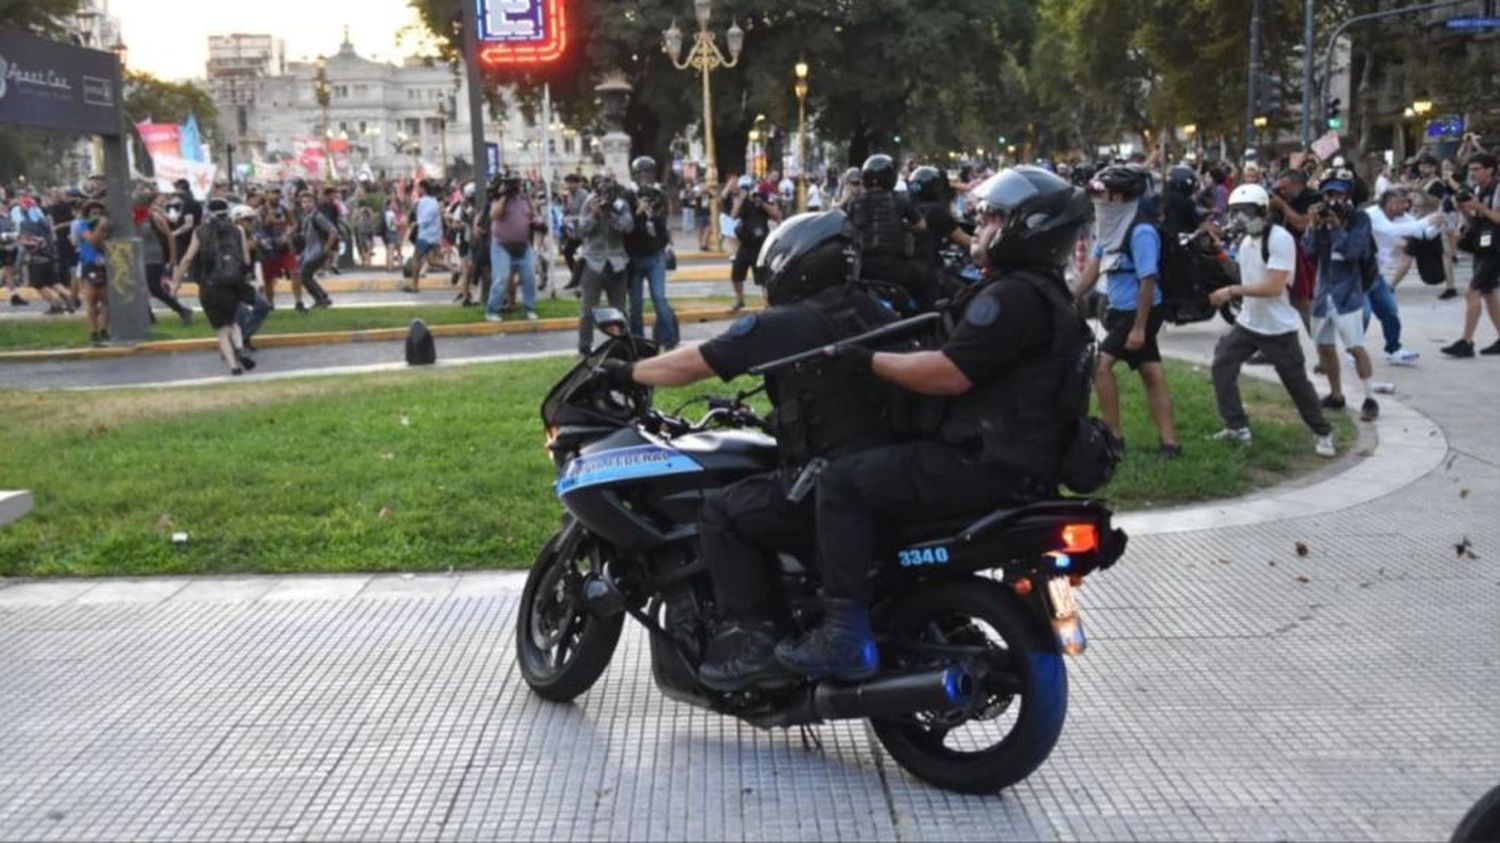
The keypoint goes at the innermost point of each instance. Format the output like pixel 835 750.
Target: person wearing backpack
pixel 218 258
pixel 1338 239
pixel 1128 251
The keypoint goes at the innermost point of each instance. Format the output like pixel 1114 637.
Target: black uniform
pixel 1001 442
pixel 822 409
pixel 754 225
pixel 881 226
pixel 940 226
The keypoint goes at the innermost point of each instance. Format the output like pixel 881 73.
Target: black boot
pixel 842 646
pixel 741 655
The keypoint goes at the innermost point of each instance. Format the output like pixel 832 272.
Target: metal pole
pixel 1326 86
pixel 1252 84
pixel 1309 12
pixel 708 145
pixel 476 94
pixel 547 153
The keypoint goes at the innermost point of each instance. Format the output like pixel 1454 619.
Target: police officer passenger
pixel 1006 372
pixel 824 408
pixel 932 197
pixel 882 225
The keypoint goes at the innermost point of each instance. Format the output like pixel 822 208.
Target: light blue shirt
pixel 429 220
pixel 1123 283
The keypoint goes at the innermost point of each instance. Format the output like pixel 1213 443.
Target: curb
pixel 465 329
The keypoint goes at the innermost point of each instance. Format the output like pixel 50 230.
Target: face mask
pixel 1112 225
pixel 174 214
pixel 1254 224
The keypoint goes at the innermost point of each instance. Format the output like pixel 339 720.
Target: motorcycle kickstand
pixel 810 738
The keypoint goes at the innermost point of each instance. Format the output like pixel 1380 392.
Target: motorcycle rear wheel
pixel 1025 666
pixel 561 647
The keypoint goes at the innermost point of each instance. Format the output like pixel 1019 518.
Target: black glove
pixel 861 358
pixel 616 373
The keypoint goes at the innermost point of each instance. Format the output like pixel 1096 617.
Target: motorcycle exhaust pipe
pixel 887 696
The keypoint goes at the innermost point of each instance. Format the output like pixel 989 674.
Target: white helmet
pixel 469 190
pixel 240 212
pixel 1250 194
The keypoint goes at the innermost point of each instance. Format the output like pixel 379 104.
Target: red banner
pixel 160 138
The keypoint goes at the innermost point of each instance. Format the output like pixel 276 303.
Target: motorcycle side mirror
pixel 611 321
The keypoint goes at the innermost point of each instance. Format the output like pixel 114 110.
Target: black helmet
pixel 803 256
pixel 1182 180
pixel 1041 215
pixel 1123 179
pixel 645 165
pixel 879 171
pixel 218 208
pixel 928 184
pixel 1083 173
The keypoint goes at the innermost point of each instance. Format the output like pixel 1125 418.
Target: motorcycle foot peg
pixel 602 599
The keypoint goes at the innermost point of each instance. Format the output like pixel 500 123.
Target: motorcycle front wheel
pixel 1011 727
pixel 561 647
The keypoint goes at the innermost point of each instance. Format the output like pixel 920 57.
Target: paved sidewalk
pixel 1234 689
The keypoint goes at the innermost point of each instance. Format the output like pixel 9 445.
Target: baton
pixel 884 331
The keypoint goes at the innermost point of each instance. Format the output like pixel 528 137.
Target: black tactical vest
pixel 826 407
pixel 1022 420
pixel 876 225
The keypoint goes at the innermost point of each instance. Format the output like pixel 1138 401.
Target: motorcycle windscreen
pixel 577 400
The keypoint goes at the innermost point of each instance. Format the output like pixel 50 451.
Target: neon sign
pixel 521 33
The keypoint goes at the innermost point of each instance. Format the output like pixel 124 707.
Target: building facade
pixel 380 119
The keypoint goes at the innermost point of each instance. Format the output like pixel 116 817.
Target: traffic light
pixel 1335 116
pixel 1270 93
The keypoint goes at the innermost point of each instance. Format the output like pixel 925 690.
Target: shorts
pixel 744 261
pixel 221 303
pixel 42 274
pixel 94 275
pixel 283 265
pixel 423 247
pixel 1117 325
pixel 1348 328
pixel 1486 277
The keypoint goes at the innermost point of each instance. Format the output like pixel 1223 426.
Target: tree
pixel 48 18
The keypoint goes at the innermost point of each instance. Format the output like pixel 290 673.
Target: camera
pixel 1463 196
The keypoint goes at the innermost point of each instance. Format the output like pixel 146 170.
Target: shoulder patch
pixel 744 325
pixel 983 311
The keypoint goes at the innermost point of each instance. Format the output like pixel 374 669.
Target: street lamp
pixel 325 96
pixel 87 17
pixel 443 135
pixel 800 89
pixel 1422 107
pixel 705 57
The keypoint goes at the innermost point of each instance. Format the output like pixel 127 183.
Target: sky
pixel 169 38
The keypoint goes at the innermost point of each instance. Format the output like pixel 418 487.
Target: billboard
pixel 521 33
pixel 52 85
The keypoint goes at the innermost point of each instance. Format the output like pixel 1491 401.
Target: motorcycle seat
pixel 946 528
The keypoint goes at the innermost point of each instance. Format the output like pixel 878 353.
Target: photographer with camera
pixel 606 219
pixel 647 245
pixel 752 212
pixel 1480 206
pixel 512 217
pixel 1338 238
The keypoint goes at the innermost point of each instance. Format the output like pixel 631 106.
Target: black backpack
pixel 1180 275
pixel 421 348
pixel 223 252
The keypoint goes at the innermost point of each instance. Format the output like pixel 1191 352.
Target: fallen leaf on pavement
pixel 1303 579
pixel 1302 549
pixel 1463 493
pixel 1465 549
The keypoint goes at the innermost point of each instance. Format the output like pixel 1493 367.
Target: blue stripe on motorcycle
pixel 624 464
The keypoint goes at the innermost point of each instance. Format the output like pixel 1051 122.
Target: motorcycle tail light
pixel 1080 538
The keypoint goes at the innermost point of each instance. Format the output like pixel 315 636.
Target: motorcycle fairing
pixel 618 464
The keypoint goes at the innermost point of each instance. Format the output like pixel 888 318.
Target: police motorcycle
pixel 972 616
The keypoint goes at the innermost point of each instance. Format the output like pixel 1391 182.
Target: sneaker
pixel 1402 357
pixel 739 304
pixel 1239 435
pixel 247 361
pixel 531 316
pixel 1332 402
pixel 323 302
pixel 1449 293
pixel 17 301
pixel 1462 348
pixel 236 371
pixel 301 308
pixel 1169 452
pixel 492 317
pixel 1491 350
pixel 1325 447
pixel 186 316
pixel 1370 410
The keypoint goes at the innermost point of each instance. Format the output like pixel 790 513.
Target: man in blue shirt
pixel 429 234
pixel 1127 251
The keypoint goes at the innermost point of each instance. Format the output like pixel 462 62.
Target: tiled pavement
pixel 1233 690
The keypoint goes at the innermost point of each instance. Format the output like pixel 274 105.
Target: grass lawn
pixel 72 332
pixel 410 471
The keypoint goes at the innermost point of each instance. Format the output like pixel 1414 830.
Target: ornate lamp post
pixel 325 96
pixel 705 57
pixel 800 88
pixel 443 134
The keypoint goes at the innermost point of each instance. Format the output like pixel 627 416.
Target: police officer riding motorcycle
pixel 882 226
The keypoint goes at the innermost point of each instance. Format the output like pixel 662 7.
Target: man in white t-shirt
pixel 1267 322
